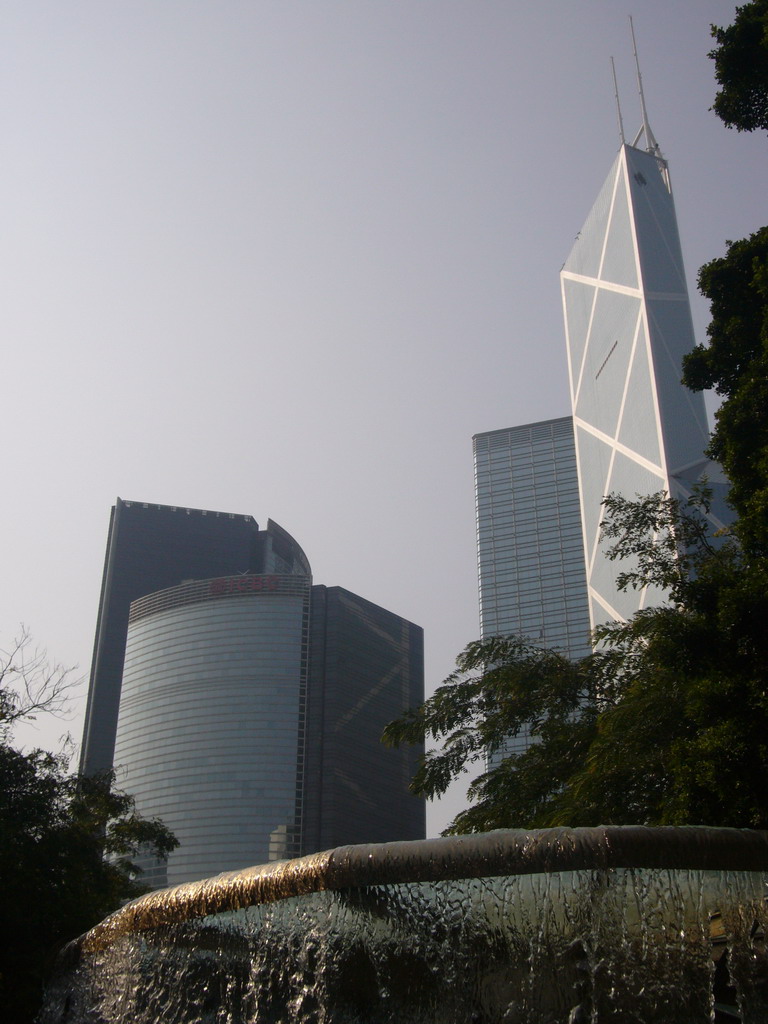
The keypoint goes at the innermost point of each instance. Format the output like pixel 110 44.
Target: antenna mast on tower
pixel 651 144
pixel 618 104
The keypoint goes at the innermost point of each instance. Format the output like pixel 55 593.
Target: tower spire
pixel 618 104
pixel 651 144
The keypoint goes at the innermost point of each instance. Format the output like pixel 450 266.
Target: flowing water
pixel 301 942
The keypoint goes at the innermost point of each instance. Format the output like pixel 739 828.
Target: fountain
pixel 555 926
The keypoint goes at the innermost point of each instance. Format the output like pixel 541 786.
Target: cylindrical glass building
pixel 212 720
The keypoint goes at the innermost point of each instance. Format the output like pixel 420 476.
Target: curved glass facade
pixel 151 548
pixel 241 705
pixel 211 729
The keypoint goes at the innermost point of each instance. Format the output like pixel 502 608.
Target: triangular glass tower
pixel 628 326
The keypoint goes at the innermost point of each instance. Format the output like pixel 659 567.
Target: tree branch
pixel 30 684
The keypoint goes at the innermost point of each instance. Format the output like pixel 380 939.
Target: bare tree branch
pixel 31 684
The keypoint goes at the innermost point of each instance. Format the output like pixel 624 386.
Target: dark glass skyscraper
pixel 530 555
pixel 149 548
pixel 529 551
pixel 239 703
pixel 364 663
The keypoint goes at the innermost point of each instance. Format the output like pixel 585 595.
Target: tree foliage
pixel 735 364
pixel 66 842
pixel 501 686
pixel 659 543
pixel 666 722
pixel 741 68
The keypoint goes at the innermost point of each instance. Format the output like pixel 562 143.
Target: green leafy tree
pixel 66 842
pixel 501 686
pixel 735 364
pixel 741 68
pixel 665 723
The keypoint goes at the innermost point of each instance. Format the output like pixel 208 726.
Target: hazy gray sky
pixel 285 257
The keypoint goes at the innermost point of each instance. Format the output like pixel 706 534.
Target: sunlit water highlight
pixel 509 928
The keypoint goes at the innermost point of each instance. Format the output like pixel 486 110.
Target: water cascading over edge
pixel 511 927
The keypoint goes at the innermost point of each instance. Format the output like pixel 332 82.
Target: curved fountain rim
pixel 485 855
